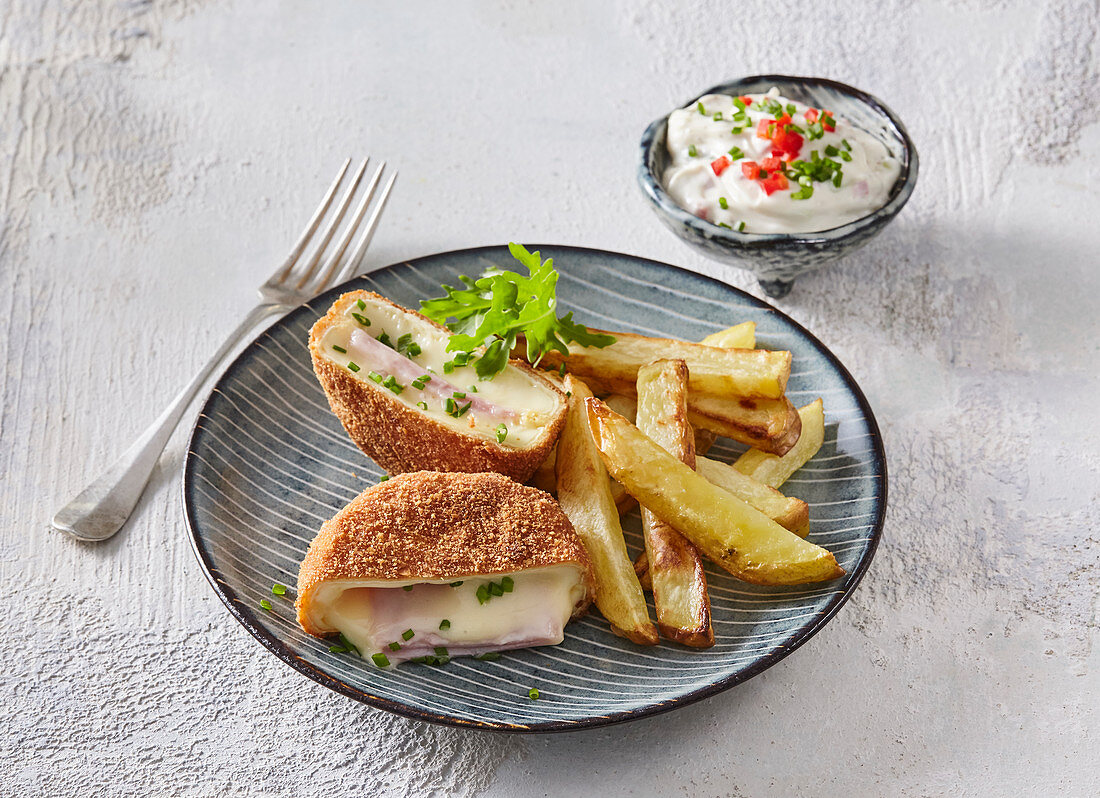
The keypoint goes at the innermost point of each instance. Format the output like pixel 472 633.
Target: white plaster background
pixel 156 159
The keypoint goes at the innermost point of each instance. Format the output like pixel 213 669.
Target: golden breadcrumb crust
pixel 434 525
pixel 401 438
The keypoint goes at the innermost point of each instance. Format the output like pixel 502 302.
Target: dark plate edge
pixel 245 615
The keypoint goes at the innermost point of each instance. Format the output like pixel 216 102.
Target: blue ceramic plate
pixel 268 463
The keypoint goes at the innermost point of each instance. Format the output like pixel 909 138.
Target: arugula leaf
pixel 491 312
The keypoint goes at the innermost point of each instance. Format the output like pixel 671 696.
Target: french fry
pixel 789 512
pixel 737 536
pixel 771 425
pixel 545 476
pixel 676 572
pixel 584 493
pixel 773 470
pixel 641 570
pixel 627 407
pixel 739 336
pixel 713 370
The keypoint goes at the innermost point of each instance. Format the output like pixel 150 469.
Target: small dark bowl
pixel 778 258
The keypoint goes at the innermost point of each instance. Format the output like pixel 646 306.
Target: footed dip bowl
pixel 777 259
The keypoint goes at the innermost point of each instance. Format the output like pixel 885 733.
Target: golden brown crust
pixel 433 525
pixel 400 438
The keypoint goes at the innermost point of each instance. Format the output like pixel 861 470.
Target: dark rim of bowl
pixel 900 192
pixel 248 618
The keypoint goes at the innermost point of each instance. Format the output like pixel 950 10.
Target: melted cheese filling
pixel 374 614
pixel 512 398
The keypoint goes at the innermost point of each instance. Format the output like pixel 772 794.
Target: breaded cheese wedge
pixel 427 561
pixel 383 369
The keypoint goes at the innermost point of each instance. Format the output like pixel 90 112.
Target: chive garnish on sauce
pixel 444 624
pixel 278 590
pixel 340 349
pixel 353 366
pixel 488 656
pixel 407 635
pixel 395 646
pixel 380 659
pixel 533 694
pixel 359 317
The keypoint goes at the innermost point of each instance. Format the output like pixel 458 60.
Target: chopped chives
pixel 846 145
pixel 741 227
pixel 569 394
pixel 359 317
pixel 393 384
pixel 508 584
pixel 473 389
pixel 837 179
pixel 361 304
pixel 449 406
pixel 488 656
pixel 791 110
pixel 383 478
pixel 723 224
pixel 339 349
pixel 462 412
pixel 337 650
pixel 845 156
pixel 459 395
pixel 723 204
pixel 384 338
pixel 717 117
pixel 444 624
pixel 407 635
pixel 353 366
pixel 265 604
pixel 395 646
pixel 533 694
pixel 278 590
pixel 702 109
pixel 561 370
pixel 831 151
pixel 495 589
pixel 737 131
pixel 350 646
pixel 407 587
pixel 456 584
pixel 422 405
pixel 736 153
pixel 419 660
pixel 482 594
pixel 692 151
pixel 741 105
pixel 374 375
pixel 380 660
pixel 502 432
pixel 440 651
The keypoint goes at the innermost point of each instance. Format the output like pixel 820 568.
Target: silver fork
pixel 102 508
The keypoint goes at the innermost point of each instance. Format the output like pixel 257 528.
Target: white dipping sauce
pixel 708 180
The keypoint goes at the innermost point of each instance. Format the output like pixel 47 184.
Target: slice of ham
pixel 372 354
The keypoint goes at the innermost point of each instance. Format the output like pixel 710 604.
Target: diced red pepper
pixel 765 129
pixel 770 164
pixel 811 115
pixel 775 181
pixel 783 120
pixel 720 165
pixel 750 169
pixel 746 99
pixel 786 144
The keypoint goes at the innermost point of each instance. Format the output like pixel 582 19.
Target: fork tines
pixel 337 264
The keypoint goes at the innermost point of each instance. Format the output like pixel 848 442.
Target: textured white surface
pixel 157 159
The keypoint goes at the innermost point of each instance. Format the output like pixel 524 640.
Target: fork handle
pixel 101 509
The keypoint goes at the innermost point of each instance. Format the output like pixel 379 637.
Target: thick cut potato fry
pixel 739 336
pixel 737 536
pixel 676 572
pixel 641 569
pixel 773 470
pixel 789 512
pixel 627 407
pixel 545 476
pixel 584 493
pixel 771 425
pixel 713 370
